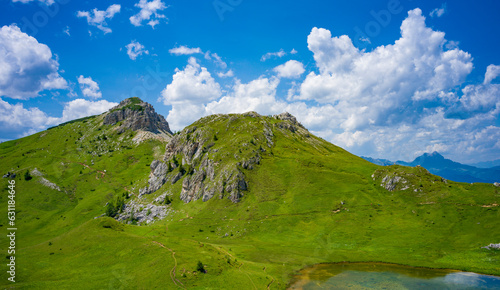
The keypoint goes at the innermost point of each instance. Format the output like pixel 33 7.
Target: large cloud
pixel 27 67
pixel 416 68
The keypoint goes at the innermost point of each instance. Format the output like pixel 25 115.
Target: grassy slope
pixel 292 216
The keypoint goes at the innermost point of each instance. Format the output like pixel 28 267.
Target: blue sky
pixel 388 79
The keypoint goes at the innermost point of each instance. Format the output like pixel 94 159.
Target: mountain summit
pixel 135 114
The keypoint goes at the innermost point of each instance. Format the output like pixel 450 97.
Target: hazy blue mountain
pixel 446 168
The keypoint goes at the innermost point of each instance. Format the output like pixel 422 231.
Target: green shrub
pixel 200 268
pixel 27 175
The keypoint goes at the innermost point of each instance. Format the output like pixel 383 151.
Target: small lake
pixel 388 276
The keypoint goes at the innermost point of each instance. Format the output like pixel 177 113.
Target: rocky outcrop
pixel 391 182
pixel 134 114
pixel 135 211
pixel 496 184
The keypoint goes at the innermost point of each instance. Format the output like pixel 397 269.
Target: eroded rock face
pixel 137 115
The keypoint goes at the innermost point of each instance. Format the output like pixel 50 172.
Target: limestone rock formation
pixel 134 114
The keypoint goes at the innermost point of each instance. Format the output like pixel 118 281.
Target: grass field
pixel 308 202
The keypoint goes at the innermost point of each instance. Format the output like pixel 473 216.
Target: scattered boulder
pixel 496 184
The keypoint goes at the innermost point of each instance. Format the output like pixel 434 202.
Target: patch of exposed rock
pixel 492 246
pixel 496 184
pixel 43 180
pixel 49 184
pixel 134 114
pixel 391 182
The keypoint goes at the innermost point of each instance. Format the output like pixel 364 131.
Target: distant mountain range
pixel 446 168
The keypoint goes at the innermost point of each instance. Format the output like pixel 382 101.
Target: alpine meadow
pixel 116 200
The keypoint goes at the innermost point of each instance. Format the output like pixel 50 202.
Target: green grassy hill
pixel 304 201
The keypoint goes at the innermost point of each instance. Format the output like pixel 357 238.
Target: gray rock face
pixel 137 115
pixel 496 184
pixel 193 187
pixel 157 177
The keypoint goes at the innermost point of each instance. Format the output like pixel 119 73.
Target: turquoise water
pixel 388 276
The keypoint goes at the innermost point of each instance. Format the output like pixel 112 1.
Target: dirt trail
pixel 172 272
pixel 99 171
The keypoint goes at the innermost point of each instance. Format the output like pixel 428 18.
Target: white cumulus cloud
pixel 135 49
pixel 189 90
pixel 290 69
pixel 98 17
pixel 27 67
pixel 390 78
pixel 149 9
pixel 89 87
